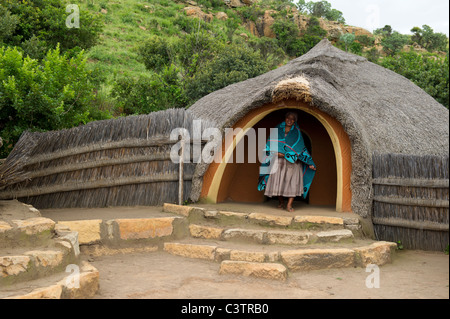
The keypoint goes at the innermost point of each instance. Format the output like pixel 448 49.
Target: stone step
pixel 26 232
pixel 227 218
pixel 127 232
pixel 359 254
pixel 23 261
pixel 266 236
pixel 18 265
pixel 274 271
pixel 80 281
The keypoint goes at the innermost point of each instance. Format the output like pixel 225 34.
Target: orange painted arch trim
pixel 341 143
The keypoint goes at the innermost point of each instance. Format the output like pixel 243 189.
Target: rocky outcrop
pixel 196 12
pixel 238 3
pixel 334 29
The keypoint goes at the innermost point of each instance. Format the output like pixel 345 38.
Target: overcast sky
pixel 401 15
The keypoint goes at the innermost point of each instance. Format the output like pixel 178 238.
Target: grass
pixel 129 23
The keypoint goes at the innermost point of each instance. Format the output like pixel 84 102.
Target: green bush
pixel 155 53
pixel 54 94
pixel 394 43
pixel 149 93
pixel 45 20
pixel 287 33
pixel 428 39
pixel 234 64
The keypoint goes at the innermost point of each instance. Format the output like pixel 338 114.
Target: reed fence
pixel 121 162
pixel 411 200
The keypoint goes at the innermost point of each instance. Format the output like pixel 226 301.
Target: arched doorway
pixel 330 147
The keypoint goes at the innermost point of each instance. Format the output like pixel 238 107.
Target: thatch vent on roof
pixel 295 88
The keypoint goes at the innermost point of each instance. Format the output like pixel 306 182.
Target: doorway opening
pixel 240 180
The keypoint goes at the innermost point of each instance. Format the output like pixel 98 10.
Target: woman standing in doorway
pixel 288 169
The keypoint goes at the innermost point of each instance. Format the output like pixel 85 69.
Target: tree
pixel 44 22
pixel 233 64
pixel 286 32
pixel 394 43
pixel 348 39
pixel 55 93
pixel 386 31
pixel 8 24
pixel 321 9
pixel 428 39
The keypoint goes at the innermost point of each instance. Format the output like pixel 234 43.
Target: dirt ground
pixel 158 275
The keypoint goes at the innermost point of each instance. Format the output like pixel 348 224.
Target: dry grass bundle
pixel 295 88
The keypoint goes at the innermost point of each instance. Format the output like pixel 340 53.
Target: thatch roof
pixel 381 111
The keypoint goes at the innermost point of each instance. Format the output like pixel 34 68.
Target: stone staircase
pixel 270 246
pixel 35 254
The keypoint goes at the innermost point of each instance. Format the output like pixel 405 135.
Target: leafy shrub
pixel 237 63
pixel 394 43
pixel 286 32
pixel 46 21
pixel 55 94
pixel 149 93
pixel 155 53
pixel 428 39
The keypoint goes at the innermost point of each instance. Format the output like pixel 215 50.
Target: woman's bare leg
pixel 289 204
pixel 280 202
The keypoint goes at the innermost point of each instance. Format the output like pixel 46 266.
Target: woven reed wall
pixel 411 200
pixel 120 162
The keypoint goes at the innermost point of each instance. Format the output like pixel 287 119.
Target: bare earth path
pixel 157 275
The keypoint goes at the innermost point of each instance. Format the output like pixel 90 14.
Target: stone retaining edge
pixel 86 286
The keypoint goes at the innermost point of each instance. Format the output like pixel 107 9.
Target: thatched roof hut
pixel 374 136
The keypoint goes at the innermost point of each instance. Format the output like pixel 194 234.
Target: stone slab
pixel 182 210
pixel 191 251
pixel 85 285
pixel 272 271
pixel 4 227
pixel 46 258
pixel 88 230
pixel 225 214
pixel 145 228
pixel 50 292
pixel 200 231
pixel 288 238
pixel 335 236
pixel 270 220
pixel 14 265
pixel 378 253
pixel 34 226
pixel 239 255
pixel 236 234
pixel 317 221
pixel 313 259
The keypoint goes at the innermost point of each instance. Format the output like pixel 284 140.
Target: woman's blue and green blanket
pixel 293 147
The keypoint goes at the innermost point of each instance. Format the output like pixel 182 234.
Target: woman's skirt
pixel 286 179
